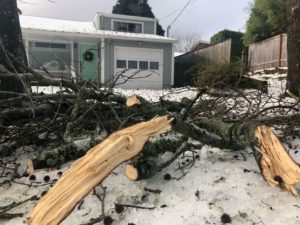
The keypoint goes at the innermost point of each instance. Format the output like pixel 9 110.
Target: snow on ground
pixel 220 181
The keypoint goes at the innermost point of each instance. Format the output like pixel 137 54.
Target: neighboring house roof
pixel 29 23
pixel 178 54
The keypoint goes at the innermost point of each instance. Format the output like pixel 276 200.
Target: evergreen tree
pixel 136 8
pixel 267 18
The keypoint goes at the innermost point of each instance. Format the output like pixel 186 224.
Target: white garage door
pixel 138 68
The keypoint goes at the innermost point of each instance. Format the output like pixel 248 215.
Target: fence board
pixel 269 53
pixel 219 53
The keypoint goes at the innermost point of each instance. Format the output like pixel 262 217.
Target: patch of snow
pixel 178 54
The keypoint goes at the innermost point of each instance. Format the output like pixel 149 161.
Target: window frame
pixel 137 64
pixel 143 62
pixel 156 62
pixel 126 64
pixel 46 41
pixel 127 22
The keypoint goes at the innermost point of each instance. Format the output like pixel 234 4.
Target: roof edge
pixel 80 34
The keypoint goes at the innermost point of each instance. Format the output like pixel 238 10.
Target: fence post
pixel 279 50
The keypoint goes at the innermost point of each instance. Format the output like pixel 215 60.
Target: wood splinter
pixel 88 171
pixel 133 100
pixel 278 168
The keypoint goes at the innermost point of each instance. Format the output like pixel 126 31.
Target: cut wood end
pixel 278 168
pixel 131 172
pixel 30 168
pixel 133 100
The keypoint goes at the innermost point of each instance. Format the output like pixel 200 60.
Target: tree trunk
pixel 293 47
pixel 11 41
pixel 88 171
pixel 277 167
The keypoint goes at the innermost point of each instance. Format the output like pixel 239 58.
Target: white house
pixel 109 48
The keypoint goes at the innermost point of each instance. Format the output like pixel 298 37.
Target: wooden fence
pixel 218 53
pixel 269 53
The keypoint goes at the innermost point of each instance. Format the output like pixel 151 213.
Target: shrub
pixel 227 76
pixel 217 75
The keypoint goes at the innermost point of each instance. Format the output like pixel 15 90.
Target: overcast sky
pixel 204 17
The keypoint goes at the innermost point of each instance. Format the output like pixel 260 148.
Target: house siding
pixel 105 23
pixel 167 57
pixel 149 27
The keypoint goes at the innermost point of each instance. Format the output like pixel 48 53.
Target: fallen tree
pixel 277 166
pixel 88 109
pixel 54 123
pixel 90 170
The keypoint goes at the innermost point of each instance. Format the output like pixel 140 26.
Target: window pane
pixel 154 66
pixel 119 26
pixel 132 64
pixel 121 64
pixel 134 27
pixel 127 27
pixel 143 65
pixel 54 57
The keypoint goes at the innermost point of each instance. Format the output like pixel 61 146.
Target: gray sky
pixel 204 17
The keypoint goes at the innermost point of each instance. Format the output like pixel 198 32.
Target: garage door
pixel 138 68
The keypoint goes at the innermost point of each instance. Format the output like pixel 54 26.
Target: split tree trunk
pixel 88 171
pixel 293 47
pixel 277 167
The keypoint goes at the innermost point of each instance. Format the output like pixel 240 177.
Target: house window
pixel 121 64
pixel 143 65
pixel 127 27
pixel 54 57
pixel 154 66
pixel 132 64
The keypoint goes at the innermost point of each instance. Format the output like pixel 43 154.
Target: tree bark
pixel 11 41
pixel 90 170
pixel 293 47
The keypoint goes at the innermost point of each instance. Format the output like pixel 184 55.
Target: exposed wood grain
pixel 278 168
pixel 133 100
pixel 88 171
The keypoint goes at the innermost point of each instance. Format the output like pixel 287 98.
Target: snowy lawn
pixel 187 192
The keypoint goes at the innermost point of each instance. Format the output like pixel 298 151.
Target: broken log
pixel 133 100
pixel 88 171
pixel 274 161
pixel 277 166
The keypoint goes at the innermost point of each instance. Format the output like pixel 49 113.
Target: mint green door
pixel 88 61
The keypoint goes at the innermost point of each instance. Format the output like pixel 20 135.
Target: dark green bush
pixel 217 75
pixel 226 75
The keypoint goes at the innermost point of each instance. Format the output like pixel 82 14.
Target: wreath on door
pixel 88 56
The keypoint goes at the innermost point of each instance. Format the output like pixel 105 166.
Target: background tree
pixel 187 42
pixel 11 42
pixel 136 8
pixel 267 18
pixel 293 47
